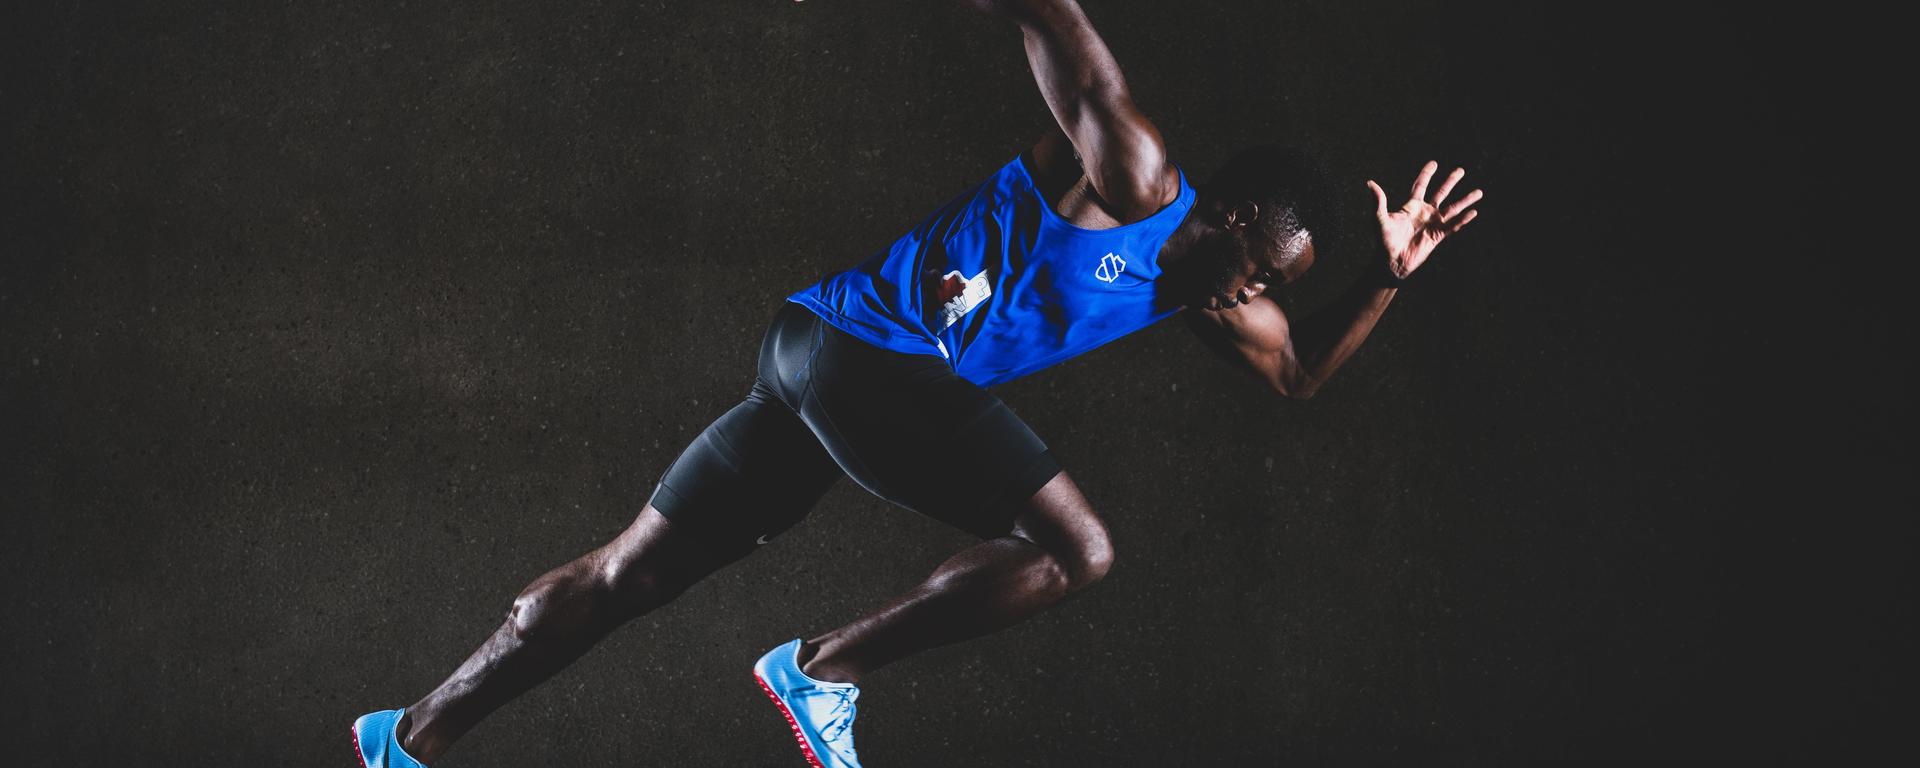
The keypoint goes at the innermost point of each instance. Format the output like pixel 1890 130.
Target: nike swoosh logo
pixel 761 540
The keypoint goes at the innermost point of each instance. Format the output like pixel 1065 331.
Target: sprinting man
pixel 878 372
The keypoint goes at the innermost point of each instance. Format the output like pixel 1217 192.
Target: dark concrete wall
pixel 327 327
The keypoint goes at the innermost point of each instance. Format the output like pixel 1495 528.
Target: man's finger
pixel 1460 205
pixel 1447 186
pixel 1426 175
pixel 1456 224
pixel 1379 195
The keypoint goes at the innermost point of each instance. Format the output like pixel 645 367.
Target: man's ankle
pixel 404 733
pixel 813 665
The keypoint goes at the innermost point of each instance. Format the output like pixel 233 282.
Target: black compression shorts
pixel 828 405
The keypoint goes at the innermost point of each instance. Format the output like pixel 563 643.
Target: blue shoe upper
pixel 373 733
pixel 822 711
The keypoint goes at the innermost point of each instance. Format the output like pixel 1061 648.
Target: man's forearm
pixel 1325 339
pixel 1321 343
pixel 1067 56
pixel 1022 12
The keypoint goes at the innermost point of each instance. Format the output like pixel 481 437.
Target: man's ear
pixel 1241 214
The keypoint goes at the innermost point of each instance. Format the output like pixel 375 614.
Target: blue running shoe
pixel 820 713
pixel 378 746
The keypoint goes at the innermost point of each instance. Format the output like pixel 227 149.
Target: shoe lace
pixel 838 731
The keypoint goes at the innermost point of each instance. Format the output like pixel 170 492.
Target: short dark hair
pixel 1291 187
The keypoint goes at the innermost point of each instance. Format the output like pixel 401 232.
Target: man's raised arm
pixel 1296 358
pixel 1119 148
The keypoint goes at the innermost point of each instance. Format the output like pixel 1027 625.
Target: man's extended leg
pixel 555 620
pixel 1058 546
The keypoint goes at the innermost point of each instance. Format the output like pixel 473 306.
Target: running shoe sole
pixel 801 738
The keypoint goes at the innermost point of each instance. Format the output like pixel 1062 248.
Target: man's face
pixel 1245 264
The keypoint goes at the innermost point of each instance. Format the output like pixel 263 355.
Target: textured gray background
pixel 327 327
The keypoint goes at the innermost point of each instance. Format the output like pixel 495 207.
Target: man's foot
pixel 819 712
pixel 378 745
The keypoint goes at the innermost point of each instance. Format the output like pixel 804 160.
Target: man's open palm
pixel 1411 233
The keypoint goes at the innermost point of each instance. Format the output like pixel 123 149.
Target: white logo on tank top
pixel 1110 268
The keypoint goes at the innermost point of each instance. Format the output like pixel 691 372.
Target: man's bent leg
pixel 555 620
pixel 1058 546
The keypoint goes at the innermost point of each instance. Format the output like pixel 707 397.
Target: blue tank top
pixel 1000 285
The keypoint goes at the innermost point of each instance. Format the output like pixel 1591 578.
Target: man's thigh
pixel 749 476
pixel 913 432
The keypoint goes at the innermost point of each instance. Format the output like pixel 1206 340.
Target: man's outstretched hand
pixel 1411 233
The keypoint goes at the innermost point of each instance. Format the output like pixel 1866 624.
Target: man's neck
pixel 1192 231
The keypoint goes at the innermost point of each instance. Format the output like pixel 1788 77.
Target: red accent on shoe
pixel 812 759
pixel 356 746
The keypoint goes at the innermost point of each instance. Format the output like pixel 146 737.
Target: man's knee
pixel 552 605
pixel 1059 520
pixel 1081 562
pixel 1096 559
pixel 585 593
pixel 1088 562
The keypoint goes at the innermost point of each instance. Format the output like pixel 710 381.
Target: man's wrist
pixel 1381 275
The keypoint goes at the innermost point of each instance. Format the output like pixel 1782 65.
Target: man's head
pixel 1264 212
